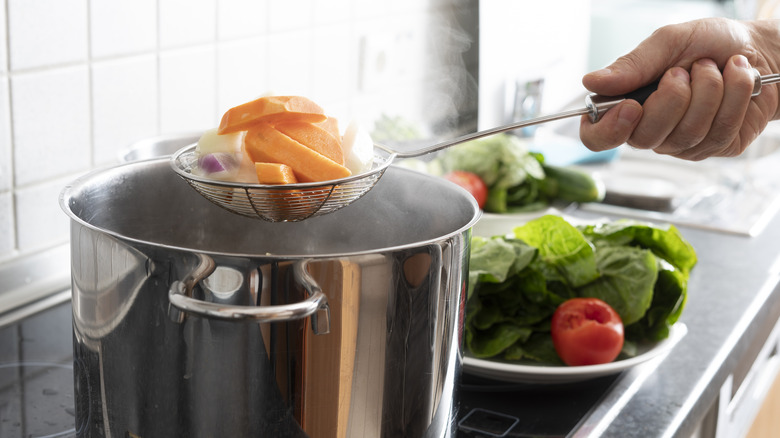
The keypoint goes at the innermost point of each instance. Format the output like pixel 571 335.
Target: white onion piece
pixel 211 142
pixel 358 149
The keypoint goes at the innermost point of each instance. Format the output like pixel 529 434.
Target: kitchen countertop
pixel 733 306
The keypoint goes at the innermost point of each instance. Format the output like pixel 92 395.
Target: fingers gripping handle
pixel 597 104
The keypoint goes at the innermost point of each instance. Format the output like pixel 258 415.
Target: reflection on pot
pixel 100 301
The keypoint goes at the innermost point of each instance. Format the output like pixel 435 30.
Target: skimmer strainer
pixel 296 202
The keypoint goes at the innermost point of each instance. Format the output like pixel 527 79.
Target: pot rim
pixel 67 192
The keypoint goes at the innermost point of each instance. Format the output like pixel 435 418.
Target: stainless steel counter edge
pixel 34 277
pixel 733 306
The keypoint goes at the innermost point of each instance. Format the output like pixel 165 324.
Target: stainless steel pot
pixel 190 321
pixel 159 146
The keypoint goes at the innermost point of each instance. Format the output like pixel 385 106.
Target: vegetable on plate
pixel 472 183
pixel 517 180
pixel 516 283
pixel 586 331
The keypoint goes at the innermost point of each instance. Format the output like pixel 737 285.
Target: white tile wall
pixel 332 11
pixel 42 33
pixel 124 103
pixel 3 47
pixel 39 219
pixel 50 118
pixel 185 22
pixel 371 9
pixel 7 235
pixel 241 71
pixel 121 27
pixel 332 48
pixel 188 89
pixel 289 57
pixel 82 79
pixel 291 15
pixel 241 18
pixel 6 177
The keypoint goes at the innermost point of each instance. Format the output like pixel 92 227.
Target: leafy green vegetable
pixel 628 276
pixel 517 179
pixel 669 297
pixel 563 246
pixel 390 129
pixel 539 347
pixel 516 282
pixel 502 161
pixel 665 242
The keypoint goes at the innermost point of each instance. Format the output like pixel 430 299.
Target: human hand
pixel 703 105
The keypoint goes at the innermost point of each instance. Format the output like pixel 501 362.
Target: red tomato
pixel 586 331
pixel 471 182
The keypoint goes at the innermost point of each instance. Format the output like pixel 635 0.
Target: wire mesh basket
pixel 280 203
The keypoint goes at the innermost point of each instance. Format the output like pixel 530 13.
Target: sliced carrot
pixel 331 125
pixel 275 173
pixel 267 145
pixel 270 109
pixel 315 137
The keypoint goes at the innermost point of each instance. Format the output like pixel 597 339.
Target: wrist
pixel 766 43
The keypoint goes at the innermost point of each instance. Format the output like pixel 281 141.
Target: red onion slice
pixel 218 162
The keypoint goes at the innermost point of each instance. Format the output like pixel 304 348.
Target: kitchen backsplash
pixel 80 80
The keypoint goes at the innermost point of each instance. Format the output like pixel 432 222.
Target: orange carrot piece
pixel 270 109
pixel 267 145
pixel 314 137
pixel 275 173
pixel 331 125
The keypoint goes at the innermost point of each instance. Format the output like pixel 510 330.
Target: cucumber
pixel 496 201
pixel 571 185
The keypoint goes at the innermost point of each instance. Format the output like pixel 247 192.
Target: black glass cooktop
pixel 498 409
pixel 36 376
pixel 36 390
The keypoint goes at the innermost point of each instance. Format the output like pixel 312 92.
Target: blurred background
pixel 81 80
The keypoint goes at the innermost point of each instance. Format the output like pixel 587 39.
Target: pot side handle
pixel 315 305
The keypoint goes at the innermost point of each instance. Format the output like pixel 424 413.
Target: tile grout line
pixel 7 38
pixel 158 70
pixel 11 152
pixel 217 44
pixel 90 88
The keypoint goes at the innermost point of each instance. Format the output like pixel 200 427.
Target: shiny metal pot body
pixel 190 321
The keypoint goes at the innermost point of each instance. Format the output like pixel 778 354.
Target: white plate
pixel 493 224
pixel 525 373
